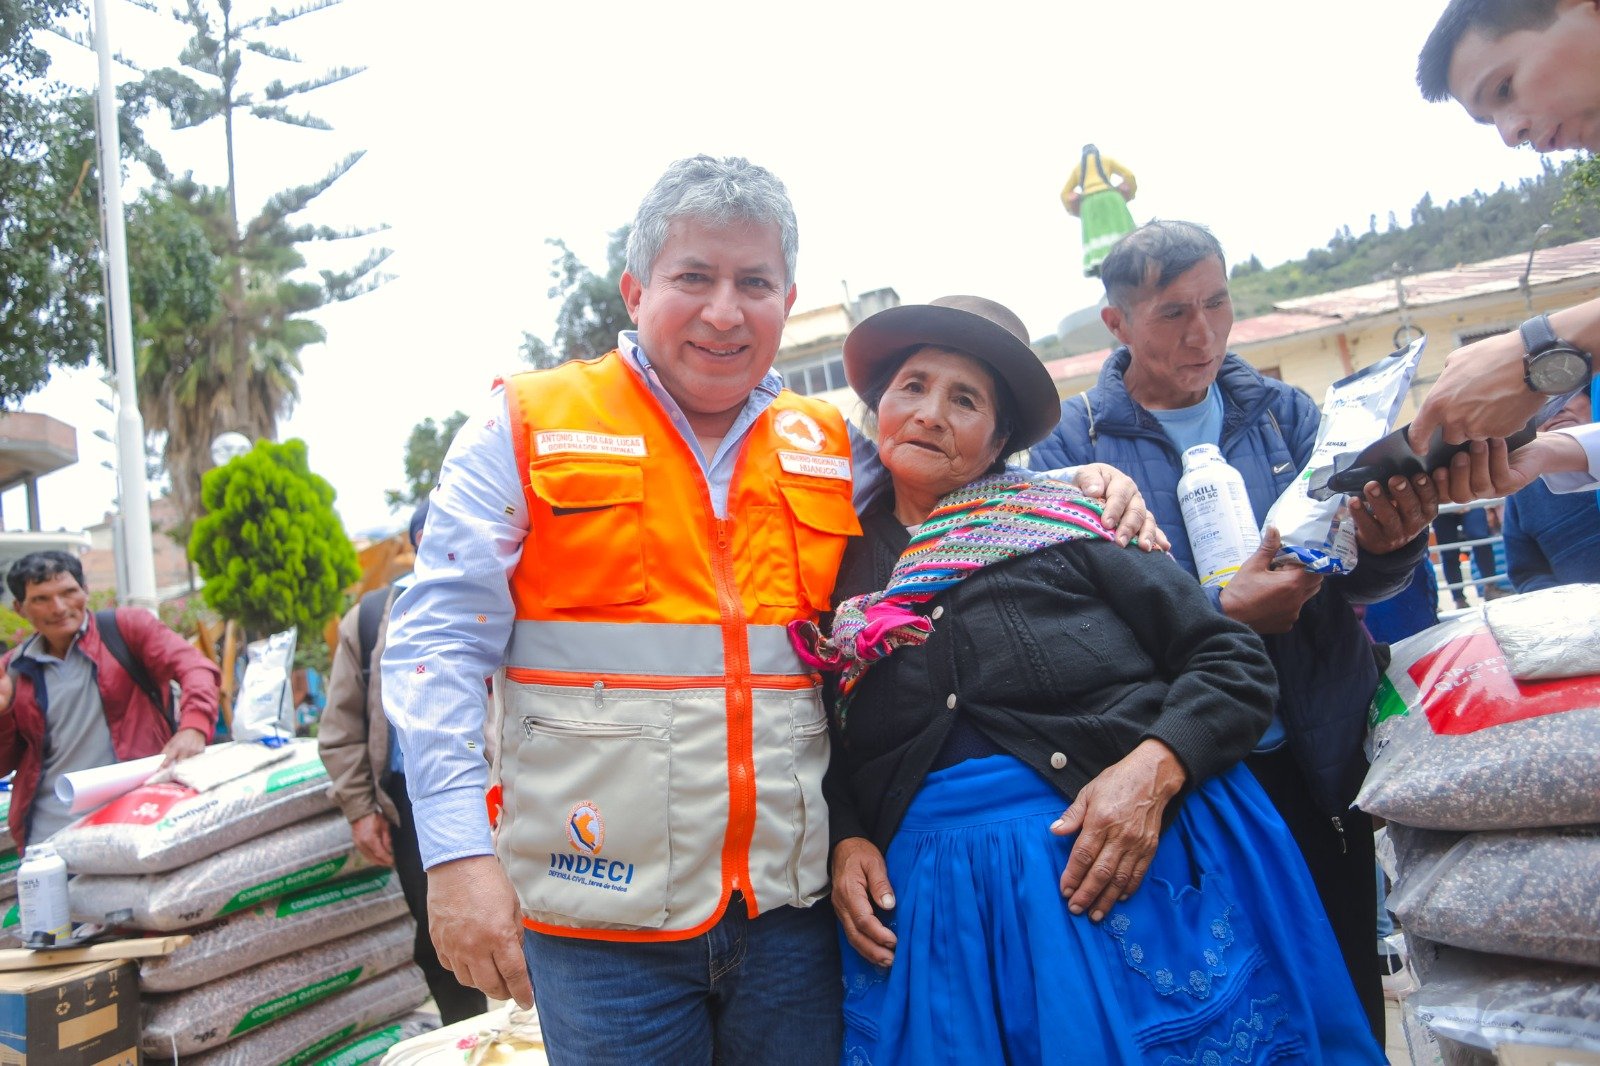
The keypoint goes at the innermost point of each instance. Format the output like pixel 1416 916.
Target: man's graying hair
pixel 1492 18
pixel 718 191
pixel 1163 248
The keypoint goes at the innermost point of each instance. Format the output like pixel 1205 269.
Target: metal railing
pixel 1478 585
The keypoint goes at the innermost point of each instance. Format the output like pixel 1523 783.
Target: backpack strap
pixel 368 619
pixel 111 636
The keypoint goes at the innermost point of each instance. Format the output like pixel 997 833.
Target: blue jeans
pixel 751 990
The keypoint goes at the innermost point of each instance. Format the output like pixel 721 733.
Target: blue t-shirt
pixel 1200 424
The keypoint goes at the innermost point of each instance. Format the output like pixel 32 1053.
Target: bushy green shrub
pixel 270 545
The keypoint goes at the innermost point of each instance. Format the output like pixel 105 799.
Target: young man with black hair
pixel 1531 69
pixel 68 703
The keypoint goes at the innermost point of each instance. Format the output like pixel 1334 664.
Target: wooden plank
pixel 142 948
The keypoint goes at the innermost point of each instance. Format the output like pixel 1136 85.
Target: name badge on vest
pixel 829 466
pixel 556 441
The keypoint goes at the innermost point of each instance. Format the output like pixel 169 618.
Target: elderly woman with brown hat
pixel 1001 658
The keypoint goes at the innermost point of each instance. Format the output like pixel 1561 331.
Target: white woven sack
pixel 305 1037
pixel 197 1019
pixel 276 928
pixel 374 1044
pixel 285 860
pixel 162 826
pixel 1550 633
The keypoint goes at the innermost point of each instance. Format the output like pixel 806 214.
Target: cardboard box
pixel 84 1015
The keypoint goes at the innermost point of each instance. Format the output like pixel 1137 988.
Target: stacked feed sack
pixel 311 1035
pixel 245 853
pixel 1486 735
pixel 373 1045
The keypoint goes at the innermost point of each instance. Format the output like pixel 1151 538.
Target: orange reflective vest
pixel 662 745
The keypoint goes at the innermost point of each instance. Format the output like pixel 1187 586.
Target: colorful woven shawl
pixel 995 518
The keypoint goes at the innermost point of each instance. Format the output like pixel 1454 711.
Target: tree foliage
pixel 425 451
pixel 592 312
pixel 1476 227
pixel 50 279
pixel 232 362
pixel 190 386
pixel 271 547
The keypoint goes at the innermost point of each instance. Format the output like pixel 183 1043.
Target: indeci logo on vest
pixel 586 835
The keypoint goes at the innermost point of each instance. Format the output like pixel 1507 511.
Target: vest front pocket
pixel 586 834
pixel 590 543
pixel 789 846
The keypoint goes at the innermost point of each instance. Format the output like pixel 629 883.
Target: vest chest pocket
pixel 798 545
pixel 590 546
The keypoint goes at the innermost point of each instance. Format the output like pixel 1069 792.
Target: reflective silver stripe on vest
pixel 651 648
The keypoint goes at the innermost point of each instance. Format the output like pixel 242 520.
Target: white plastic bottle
pixel 1216 511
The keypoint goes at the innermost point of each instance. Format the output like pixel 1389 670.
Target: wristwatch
pixel 1551 365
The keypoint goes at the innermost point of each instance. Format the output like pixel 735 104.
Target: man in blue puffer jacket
pixel 1173 384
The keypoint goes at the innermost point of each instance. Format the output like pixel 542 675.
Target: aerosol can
pixel 42 896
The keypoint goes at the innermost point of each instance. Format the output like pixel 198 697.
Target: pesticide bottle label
pixel 1217 514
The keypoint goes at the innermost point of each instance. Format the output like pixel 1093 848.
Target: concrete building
pixel 32 446
pixel 170 557
pixel 811 357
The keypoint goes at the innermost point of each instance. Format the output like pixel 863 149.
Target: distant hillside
pixel 1473 228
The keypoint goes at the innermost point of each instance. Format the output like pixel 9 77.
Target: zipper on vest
pixel 599 694
pixel 741 757
pixel 1338 827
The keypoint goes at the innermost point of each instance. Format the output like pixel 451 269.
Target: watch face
pixel 1558 370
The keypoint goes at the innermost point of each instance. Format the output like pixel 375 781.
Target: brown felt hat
pixel 981 328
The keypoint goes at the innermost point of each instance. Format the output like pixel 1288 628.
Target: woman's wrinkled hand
pixel 860 882
pixel 1117 817
pixel 1125 511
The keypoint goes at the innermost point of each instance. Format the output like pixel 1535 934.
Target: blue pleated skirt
pixel 1223 955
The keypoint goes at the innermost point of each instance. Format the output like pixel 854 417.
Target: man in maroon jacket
pixel 67 704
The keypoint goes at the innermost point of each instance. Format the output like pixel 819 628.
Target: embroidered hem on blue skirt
pixel 1223 955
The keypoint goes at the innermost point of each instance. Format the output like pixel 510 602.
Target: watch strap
pixel 1538 334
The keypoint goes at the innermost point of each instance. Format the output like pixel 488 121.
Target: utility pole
pixel 132 489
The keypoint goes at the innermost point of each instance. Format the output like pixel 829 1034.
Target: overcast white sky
pixel 924 144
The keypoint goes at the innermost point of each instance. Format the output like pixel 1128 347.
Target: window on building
pixel 817 377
